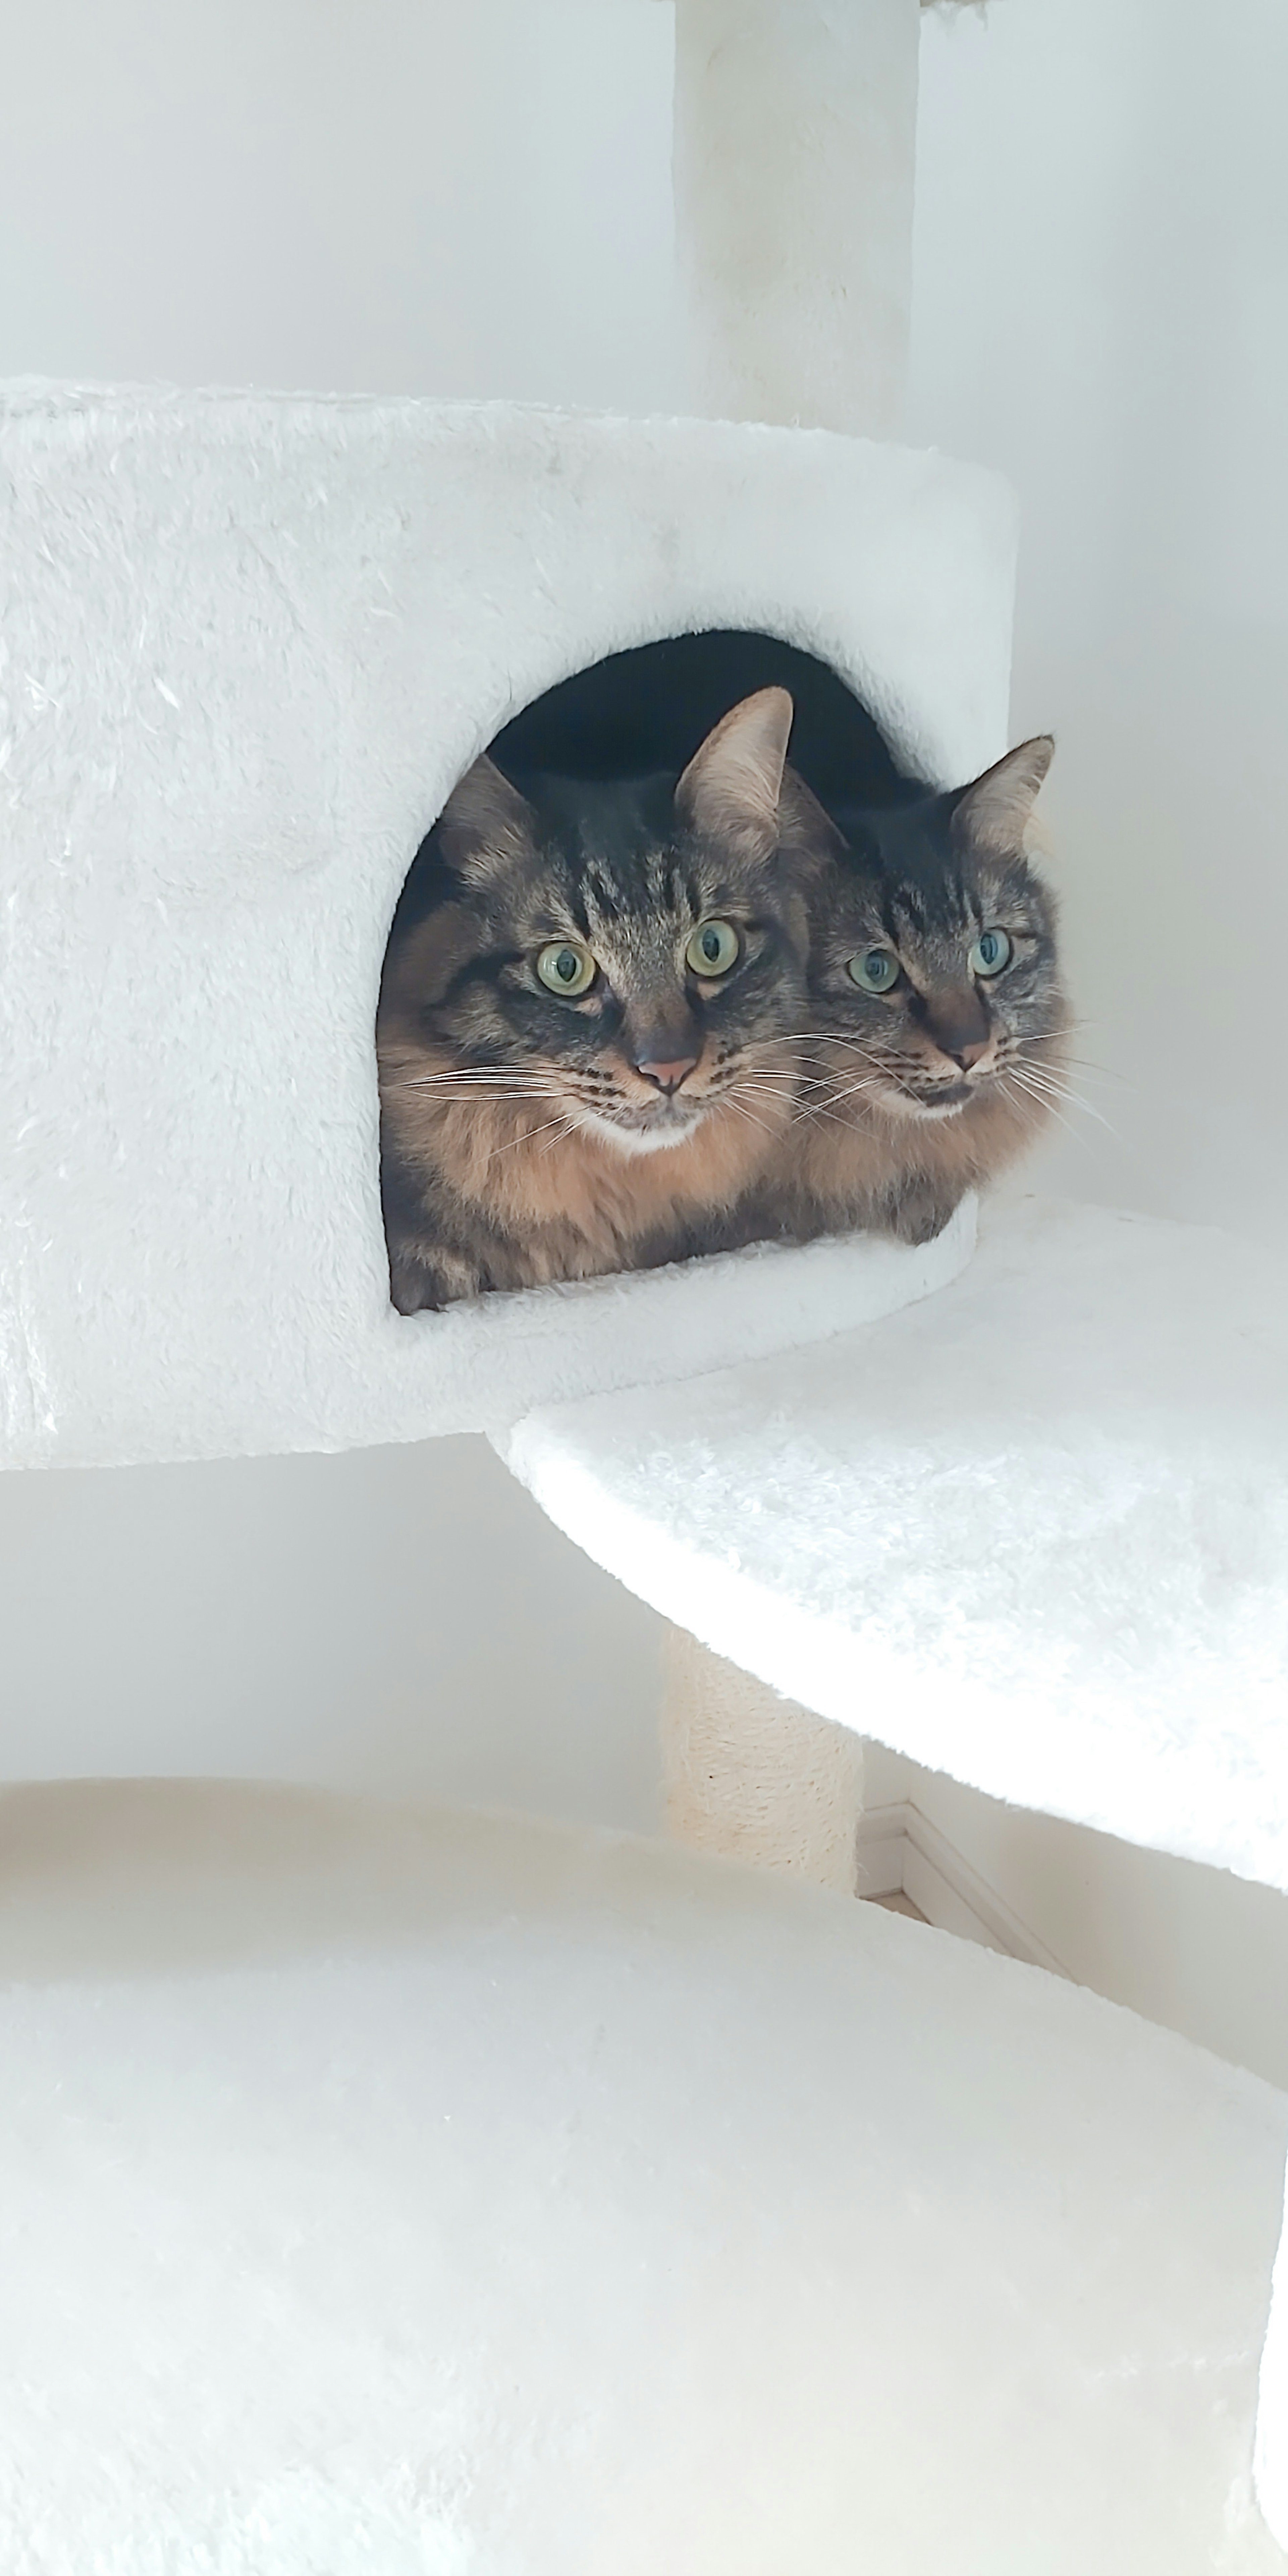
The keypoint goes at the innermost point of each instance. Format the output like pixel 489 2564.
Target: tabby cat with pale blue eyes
pixel 588 1038
pixel 936 1012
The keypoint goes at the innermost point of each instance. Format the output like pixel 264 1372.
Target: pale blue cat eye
pixel 566 968
pixel 992 953
pixel 874 970
pixel 713 949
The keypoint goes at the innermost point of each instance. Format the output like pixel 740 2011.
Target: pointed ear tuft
pixel 485 823
pixel 806 824
pixel 995 810
pixel 731 787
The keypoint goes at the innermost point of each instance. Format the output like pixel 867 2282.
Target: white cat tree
pixel 577 2205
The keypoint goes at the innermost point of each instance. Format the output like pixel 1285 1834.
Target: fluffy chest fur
pixel 856 1166
pixel 586 1044
pixel 504 1193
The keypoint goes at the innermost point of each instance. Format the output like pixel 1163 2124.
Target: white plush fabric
pixel 247 645
pixel 1034 1535
pixel 1271 2470
pixel 411 2195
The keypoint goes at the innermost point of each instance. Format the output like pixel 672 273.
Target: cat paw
pixel 919 1215
pixel 416 1290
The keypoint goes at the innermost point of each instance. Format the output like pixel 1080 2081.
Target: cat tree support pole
pixel 795 135
pixel 795 130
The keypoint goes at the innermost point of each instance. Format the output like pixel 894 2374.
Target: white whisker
pixel 1043 1086
pixel 573 1126
pixel 872 1082
pixel 742 1111
pixel 467 1074
pixel 755 1091
pixel 799 1037
pixel 1047 1107
pixel 526 1136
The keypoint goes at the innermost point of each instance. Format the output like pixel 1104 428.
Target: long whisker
pixel 1044 1087
pixel 526 1136
pixel 470 1073
pixel 1041 1078
pixel 741 1110
pixel 1023 1098
pixel 819 1037
pixel 1087 1064
pixel 816 1109
pixel 756 1091
pixel 567 1127
pixel 1049 1101
pixel 1029 1108
pixel 872 1082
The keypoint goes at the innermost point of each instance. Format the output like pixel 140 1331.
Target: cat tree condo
pixel 1021 1519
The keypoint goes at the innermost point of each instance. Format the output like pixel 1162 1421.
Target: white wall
pixel 393 1618
pixel 1194 1948
pixel 409 197
pixel 1101 309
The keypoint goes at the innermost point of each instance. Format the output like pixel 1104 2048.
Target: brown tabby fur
pixel 893 1127
pixel 523 1143
pixel 524 1139
pixel 567 1207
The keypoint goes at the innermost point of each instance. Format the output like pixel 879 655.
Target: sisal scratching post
pixel 752 1775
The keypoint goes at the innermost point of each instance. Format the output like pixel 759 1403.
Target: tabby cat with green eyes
pixel 936 1012
pixel 588 1041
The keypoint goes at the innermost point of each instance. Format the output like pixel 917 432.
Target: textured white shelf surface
pixel 416 2192
pixel 1033 1534
pixel 258 640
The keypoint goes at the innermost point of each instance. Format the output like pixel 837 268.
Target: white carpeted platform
pixel 426 2196
pixel 246 647
pixel 1034 1535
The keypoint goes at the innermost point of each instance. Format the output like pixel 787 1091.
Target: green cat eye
pixel 992 953
pixel 565 967
pixel 713 949
pixel 874 970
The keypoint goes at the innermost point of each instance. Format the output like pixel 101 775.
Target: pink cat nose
pixel 970 1054
pixel 669 1077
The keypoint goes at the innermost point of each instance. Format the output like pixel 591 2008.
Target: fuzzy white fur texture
pixel 411 2194
pixel 248 644
pixel 1035 1536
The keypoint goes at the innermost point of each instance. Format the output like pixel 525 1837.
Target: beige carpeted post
pixel 750 1774
pixel 795 132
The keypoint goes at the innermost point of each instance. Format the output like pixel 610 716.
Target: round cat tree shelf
pixel 1034 1535
pixel 1036 1538
pixel 401 2191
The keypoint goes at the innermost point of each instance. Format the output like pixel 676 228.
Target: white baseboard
pixel 902 1853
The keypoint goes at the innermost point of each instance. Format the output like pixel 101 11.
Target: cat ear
pixel 731 787
pixel 485 820
pixel 995 810
pixel 804 823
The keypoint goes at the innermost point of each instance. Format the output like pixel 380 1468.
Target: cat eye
pixel 713 949
pixel 565 967
pixel 874 970
pixel 992 953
